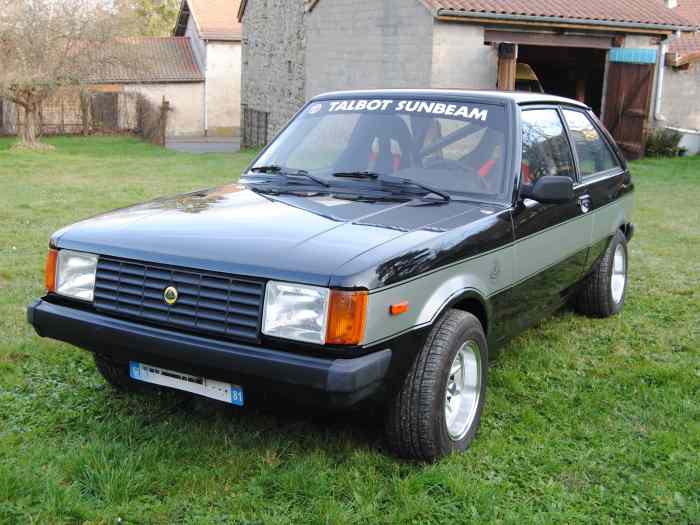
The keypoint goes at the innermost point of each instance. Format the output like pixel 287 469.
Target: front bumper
pixel 344 381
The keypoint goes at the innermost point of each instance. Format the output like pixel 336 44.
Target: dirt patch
pixel 38 147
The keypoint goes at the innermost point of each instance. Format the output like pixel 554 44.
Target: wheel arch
pixel 473 302
pixel 627 229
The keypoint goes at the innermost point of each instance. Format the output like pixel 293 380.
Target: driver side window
pixel 546 149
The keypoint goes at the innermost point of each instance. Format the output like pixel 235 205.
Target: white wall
pixel 223 76
pixel 220 63
pixel 186 102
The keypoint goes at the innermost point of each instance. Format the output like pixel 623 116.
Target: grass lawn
pixel 587 421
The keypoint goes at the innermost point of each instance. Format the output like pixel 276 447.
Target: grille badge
pixel 171 295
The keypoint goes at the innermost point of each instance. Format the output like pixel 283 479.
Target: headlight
pixel 296 312
pixel 314 315
pixel 74 274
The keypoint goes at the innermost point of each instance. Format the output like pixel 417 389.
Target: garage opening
pixel 570 72
pixel 616 82
pixel 569 65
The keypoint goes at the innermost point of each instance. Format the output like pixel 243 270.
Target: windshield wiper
pixel 288 173
pixel 400 181
pixel 390 179
pixel 357 175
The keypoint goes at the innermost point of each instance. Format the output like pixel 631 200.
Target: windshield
pixel 456 147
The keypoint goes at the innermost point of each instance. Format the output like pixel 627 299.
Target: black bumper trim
pixel 93 332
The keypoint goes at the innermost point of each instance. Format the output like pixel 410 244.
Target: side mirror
pixel 550 190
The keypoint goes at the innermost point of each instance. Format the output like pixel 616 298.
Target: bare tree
pixel 47 45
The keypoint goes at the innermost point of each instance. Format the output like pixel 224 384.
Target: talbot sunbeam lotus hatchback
pixel 376 251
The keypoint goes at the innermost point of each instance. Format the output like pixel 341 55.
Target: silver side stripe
pixel 489 273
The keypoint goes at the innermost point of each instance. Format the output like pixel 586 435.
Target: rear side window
pixel 546 149
pixel 594 155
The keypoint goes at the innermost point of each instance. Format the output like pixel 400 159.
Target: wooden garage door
pixel 105 111
pixel 627 105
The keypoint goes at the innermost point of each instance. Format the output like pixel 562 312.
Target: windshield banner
pixel 443 109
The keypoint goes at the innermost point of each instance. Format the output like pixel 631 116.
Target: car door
pixel 604 178
pixel 551 240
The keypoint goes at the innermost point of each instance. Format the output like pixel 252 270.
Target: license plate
pixel 202 386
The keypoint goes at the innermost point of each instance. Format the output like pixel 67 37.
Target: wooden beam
pixel 548 39
pixel 676 60
pixel 507 66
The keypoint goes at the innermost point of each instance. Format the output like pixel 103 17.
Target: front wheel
pixel 603 293
pixel 437 410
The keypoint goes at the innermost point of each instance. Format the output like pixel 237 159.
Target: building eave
pixel 555 21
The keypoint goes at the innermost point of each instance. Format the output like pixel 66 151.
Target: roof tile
pixel 217 19
pixel 626 11
pixel 156 59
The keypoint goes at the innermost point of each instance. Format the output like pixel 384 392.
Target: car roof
pixel 518 97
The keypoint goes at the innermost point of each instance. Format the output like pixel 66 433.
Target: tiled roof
pixel 215 19
pixel 643 12
pixel 688 44
pixel 152 59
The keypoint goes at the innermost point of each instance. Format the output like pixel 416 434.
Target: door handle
pixel 585 203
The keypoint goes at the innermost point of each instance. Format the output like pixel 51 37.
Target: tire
pixel 117 375
pixel 603 292
pixel 417 424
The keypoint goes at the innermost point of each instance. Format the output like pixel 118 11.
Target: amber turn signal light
pixel 347 315
pixel 50 270
pixel 399 308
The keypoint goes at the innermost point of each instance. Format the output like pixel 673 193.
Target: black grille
pixel 208 303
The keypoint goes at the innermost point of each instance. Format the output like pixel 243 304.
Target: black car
pixel 377 250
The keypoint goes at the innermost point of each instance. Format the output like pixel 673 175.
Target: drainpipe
pixel 206 83
pixel 661 69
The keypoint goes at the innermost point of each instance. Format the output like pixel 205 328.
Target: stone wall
pixel 460 58
pixel 274 61
pixel 681 103
pixel 365 44
pixel 291 55
pixel 681 97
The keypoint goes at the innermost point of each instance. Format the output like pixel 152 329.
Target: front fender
pixel 429 295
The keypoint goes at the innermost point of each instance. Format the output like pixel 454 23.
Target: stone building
pixel 604 53
pixel 215 33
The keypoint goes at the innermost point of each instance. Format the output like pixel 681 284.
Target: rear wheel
pixel 438 409
pixel 604 291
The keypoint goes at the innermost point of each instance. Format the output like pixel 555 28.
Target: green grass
pixel 587 421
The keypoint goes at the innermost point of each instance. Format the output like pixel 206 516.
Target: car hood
pixel 235 230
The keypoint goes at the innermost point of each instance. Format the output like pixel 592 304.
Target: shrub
pixel 152 121
pixel 664 143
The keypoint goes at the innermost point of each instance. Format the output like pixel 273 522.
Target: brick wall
pixel 274 52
